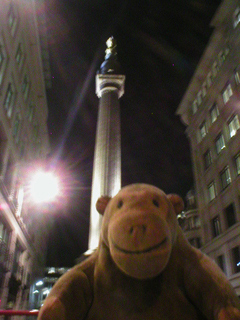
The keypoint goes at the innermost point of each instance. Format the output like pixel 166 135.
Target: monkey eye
pixel 120 204
pixel 156 203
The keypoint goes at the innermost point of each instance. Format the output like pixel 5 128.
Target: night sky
pixel 159 46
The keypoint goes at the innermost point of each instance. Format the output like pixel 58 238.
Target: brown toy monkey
pixel 143 269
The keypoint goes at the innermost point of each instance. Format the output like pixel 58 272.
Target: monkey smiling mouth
pixel 141 251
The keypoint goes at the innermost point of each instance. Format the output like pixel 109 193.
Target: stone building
pixel 23 141
pixel 210 108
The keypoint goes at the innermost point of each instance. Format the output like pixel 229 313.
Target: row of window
pixel 214 70
pixel 209 80
pixel 10 95
pixel 233 125
pixel 229 214
pixel 225 178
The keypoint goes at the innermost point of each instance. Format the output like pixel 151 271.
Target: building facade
pixel 210 109
pixel 107 157
pixel 23 141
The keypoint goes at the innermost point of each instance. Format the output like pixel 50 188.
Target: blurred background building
pixel 24 75
pixel 210 108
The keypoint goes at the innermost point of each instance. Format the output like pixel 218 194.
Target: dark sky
pixel 159 46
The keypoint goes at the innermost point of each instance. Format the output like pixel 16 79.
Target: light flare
pixel 44 187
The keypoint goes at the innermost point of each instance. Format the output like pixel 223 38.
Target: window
pixel 227 93
pixel 220 143
pixel 214 113
pixel 196 242
pixel 204 89
pixel 225 177
pixel 211 191
pixel 30 112
pixel 221 262
pixel 215 69
pixel 19 54
pixel 237 163
pixel 194 106
pixel 236 259
pixel 7 180
pixel 12 18
pixel 199 97
pixel 4 233
pixel 3 143
pixel 36 132
pixel 229 212
pixel 203 129
pixel 236 17
pixel 237 76
pixel 233 126
pixel 209 79
pixel 216 226
pixel 3 59
pixel 221 57
pixel 4 241
pixel 207 159
pixel 16 259
pixel 16 127
pixel 25 86
pixel 9 100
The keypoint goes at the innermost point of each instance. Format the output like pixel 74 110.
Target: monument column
pixel 107 157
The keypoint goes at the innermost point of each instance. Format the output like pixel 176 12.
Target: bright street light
pixel 44 186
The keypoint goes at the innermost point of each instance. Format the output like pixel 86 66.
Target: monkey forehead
pixel 140 189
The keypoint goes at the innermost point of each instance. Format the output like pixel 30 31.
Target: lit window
pixel 233 126
pixel 211 191
pixel 207 159
pixel 225 177
pixel 237 76
pixel 4 234
pixel 216 226
pixel 199 97
pixel 203 129
pixel 236 17
pixel 194 106
pixel 227 93
pixel 214 113
pixel 9 100
pixel 236 259
pixel 230 215
pixel 237 163
pixel 220 143
pixel 204 89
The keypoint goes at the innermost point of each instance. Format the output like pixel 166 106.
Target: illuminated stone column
pixel 107 157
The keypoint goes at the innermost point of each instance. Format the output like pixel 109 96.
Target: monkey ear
pixel 102 204
pixel 177 202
